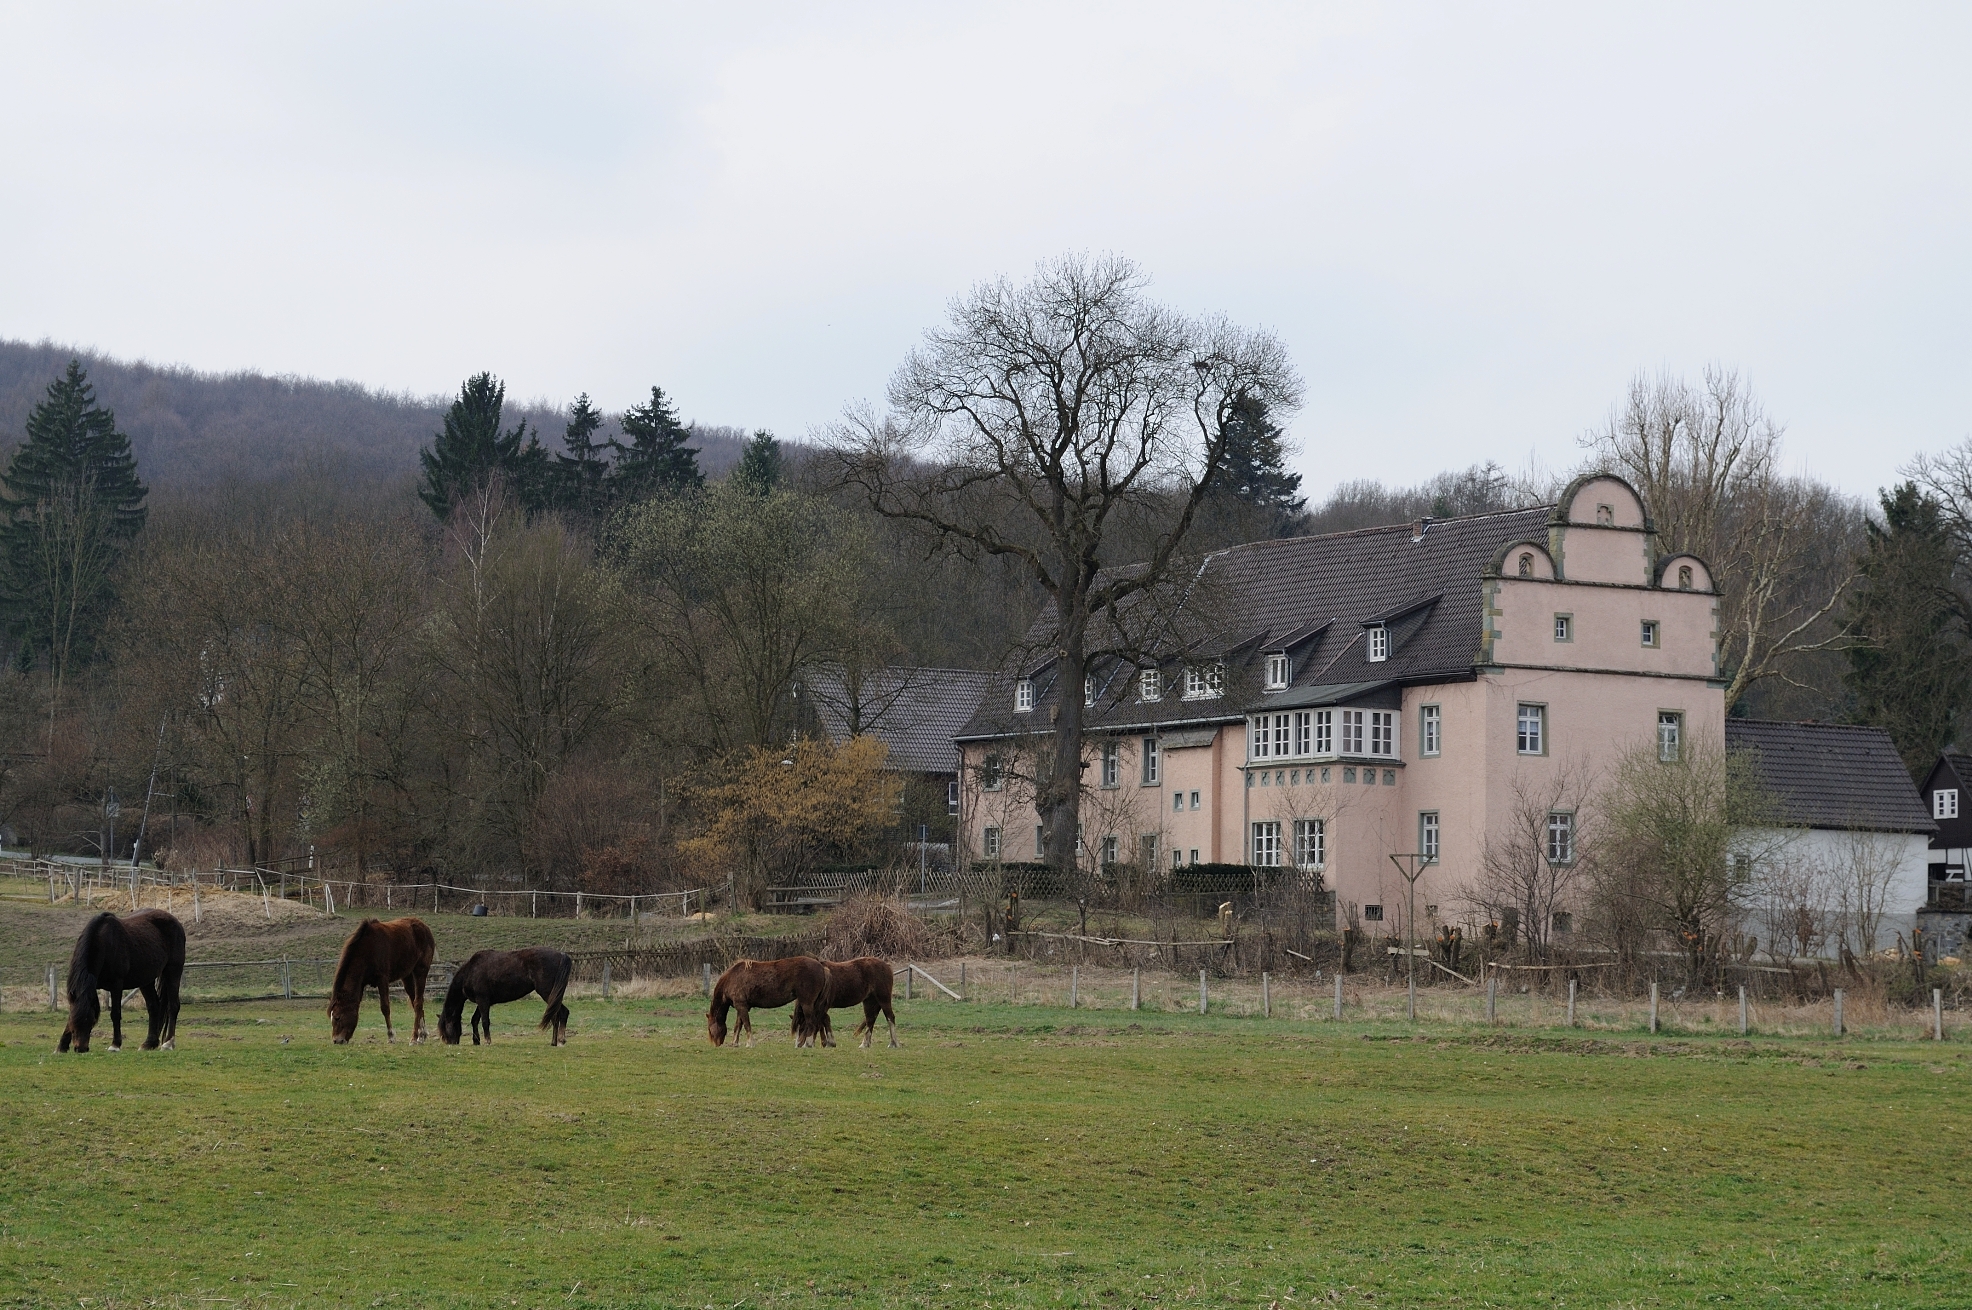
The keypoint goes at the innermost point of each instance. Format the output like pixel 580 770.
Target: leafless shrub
pixel 876 925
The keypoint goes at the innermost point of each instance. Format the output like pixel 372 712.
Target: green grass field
pixel 1013 1157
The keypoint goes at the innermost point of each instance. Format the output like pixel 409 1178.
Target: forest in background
pixel 563 678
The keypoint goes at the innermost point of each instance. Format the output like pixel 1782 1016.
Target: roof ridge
pixel 1810 723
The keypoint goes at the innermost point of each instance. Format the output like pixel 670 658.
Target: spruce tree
pixel 1256 467
pixel 656 461
pixel 72 504
pixel 759 469
pixel 1911 669
pixel 580 473
pixel 472 448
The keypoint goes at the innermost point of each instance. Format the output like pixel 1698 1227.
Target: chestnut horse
pixel 381 952
pixel 145 950
pixel 865 981
pixel 763 984
pixel 493 978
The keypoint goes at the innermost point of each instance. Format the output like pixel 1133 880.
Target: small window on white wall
pixel 1276 672
pixel 1944 803
pixel 1430 737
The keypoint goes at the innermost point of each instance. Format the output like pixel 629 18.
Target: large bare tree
pixel 1042 419
pixel 1707 461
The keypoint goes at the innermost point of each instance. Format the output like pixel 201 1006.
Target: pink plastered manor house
pixel 1394 690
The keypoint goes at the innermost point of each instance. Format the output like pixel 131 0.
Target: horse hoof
pixel 171 1045
pixel 115 1049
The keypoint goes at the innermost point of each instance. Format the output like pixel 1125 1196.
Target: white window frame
pixel 1304 733
pixel 1526 742
pixel 1040 842
pixel 952 796
pixel 1266 844
pixel 1352 732
pixel 1196 802
pixel 1277 671
pixel 1111 850
pixel 1153 762
pixel 1944 803
pixel 1652 634
pixel 1670 736
pixel 1112 764
pixel 1177 802
pixel 1378 647
pixel 1150 685
pixel 1324 732
pixel 1023 696
pixel 1559 843
pixel 1205 681
pixel 992 774
pixel 1430 729
pixel 989 843
pixel 1383 733
pixel 1260 740
pixel 1088 691
pixel 1311 843
pixel 1428 832
pixel 1564 627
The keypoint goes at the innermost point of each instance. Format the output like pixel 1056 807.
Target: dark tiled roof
pixel 915 712
pixel 1269 592
pixel 1831 775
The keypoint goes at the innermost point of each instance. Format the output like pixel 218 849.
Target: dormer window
pixel 1023 696
pixel 1527 564
pixel 1150 685
pixel 1088 691
pixel 1205 681
pixel 1276 672
pixel 1944 803
pixel 1684 577
pixel 1379 644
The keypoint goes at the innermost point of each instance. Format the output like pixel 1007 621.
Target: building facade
pixel 1333 701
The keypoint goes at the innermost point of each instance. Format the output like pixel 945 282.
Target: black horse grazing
pixel 493 978
pixel 145 950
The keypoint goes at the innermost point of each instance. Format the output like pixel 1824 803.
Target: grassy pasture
pixel 1013 1156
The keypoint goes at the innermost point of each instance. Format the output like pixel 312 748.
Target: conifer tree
pixel 472 448
pixel 580 473
pixel 1911 670
pixel 1256 466
pixel 656 461
pixel 72 504
pixel 759 469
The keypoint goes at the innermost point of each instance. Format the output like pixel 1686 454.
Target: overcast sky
pixel 1471 224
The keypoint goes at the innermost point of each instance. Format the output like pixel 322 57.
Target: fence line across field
pixel 74 881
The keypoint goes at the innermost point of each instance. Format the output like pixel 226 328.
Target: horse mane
pixel 347 958
pixel 101 936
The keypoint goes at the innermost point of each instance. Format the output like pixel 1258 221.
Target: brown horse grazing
pixel 763 984
pixel 381 952
pixel 145 950
pixel 493 978
pixel 865 981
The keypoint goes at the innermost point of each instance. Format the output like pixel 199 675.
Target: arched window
pixel 1684 577
pixel 1527 566
pixel 1605 516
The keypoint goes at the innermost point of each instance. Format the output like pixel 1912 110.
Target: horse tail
pixel 555 1010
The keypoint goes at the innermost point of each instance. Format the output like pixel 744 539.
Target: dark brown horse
pixel 381 952
pixel 145 950
pixel 865 981
pixel 763 984
pixel 493 978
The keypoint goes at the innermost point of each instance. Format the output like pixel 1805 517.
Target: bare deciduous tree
pixel 1038 420
pixel 1534 863
pixel 1706 460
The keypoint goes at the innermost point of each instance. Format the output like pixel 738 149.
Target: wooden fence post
pixel 1653 1007
pixel 1266 997
pixel 910 972
pixel 52 1003
pixel 1136 987
pixel 605 978
pixel 1074 986
pixel 1013 984
pixel 961 980
pixel 1742 1009
pixel 1838 1011
pixel 1937 1014
pixel 1201 991
pixel 708 977
pixel 1571 1002
pixel 1492 997
pixel 1410 998
pixel 1338 996
pixel 287 980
